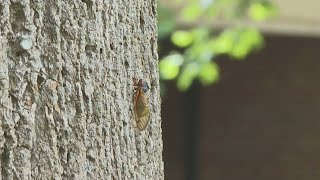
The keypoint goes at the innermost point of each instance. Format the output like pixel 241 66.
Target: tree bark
pixel 66 90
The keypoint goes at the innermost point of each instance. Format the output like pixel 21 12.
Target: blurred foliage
pixel 194 49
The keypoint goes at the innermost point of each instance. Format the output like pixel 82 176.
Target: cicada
pixel 141 104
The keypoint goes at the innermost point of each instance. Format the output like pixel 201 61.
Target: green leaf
pixel 170 65
pixel 224 42
pixel 209 73
pixel 260 11
pixel 191 12
pixel 182 38
pixel 200 34
pixel 246 41
pixel 200 50
pixel 237 42
pixel 187 76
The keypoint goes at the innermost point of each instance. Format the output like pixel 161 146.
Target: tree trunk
pixel 66 90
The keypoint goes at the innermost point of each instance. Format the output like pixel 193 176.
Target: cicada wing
pixel 142 104
pixel 143 121
pixel 142 111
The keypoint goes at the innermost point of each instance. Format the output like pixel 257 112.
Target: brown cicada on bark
pixel 141 104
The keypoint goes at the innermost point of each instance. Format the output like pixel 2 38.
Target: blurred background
pixel 240 89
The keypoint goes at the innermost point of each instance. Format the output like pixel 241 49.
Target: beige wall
pixel 295 17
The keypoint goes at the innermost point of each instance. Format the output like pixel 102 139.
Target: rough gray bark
pixel 66 70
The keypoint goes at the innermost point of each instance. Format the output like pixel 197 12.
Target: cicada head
pixel 145 87
pixel 140 84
